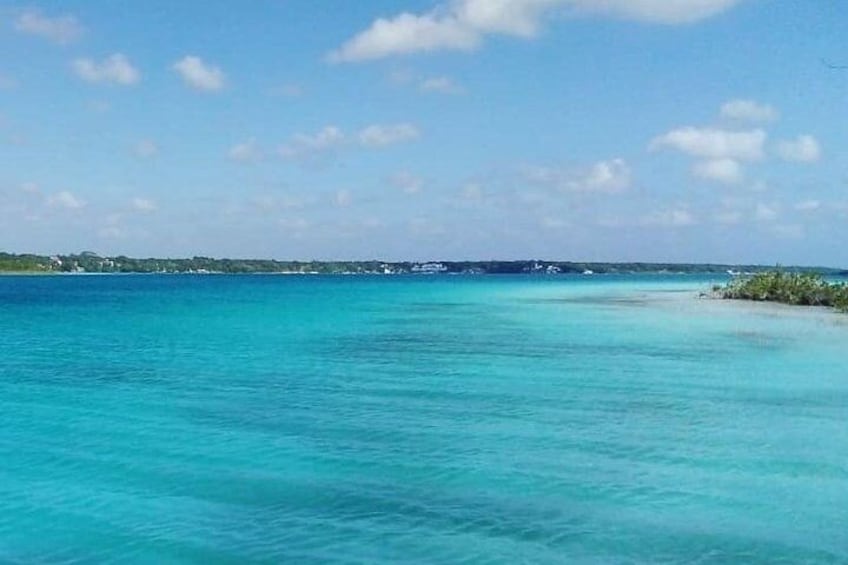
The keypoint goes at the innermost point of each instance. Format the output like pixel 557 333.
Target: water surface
pixel 417 419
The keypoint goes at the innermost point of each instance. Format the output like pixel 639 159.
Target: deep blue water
pixel 417 419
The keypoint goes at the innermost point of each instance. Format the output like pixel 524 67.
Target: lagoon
pixel 425 419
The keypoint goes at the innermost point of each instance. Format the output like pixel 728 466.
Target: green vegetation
pixel 24 263
pixel 89 262
pixel 802 289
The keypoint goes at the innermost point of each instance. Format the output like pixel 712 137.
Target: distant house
pixel 428 268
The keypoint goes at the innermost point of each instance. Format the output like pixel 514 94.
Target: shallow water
pixel 417 419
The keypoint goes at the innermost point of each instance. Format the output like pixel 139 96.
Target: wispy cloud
pixel 61 30
pixel 462 25
pixel 440 85
pixel 65 199
pixel 713 143
pixel 669 218
pixel 803 149
pixel 382 135
pixel 406 182
pixel 727 171
pixel 146 149
pixel 115 69
pixel 245 152
pixel 303 145
pixel 609 176
pixel 143 205
pixel 200 75
pixel 748 110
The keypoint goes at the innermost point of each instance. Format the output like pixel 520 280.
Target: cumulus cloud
pixel 143 205
pixel 405 34
pixel 65 200
pixel 463 24
pixel 115 69
pixel 727 171
pixel 378 135
pixel 803 149
pixel 608 176
pixel 199 75
pixel 711 143
pixel 245 152
pixel 749 111
pixel 60 29
pixel 309 145
pixel 146 149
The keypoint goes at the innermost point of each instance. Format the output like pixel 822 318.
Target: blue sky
pixel 621 130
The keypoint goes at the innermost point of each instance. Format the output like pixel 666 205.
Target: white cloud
pixel 440 85
pixel 305 145
pixel 404 34
pixel 710 143
pixel 749 111
pixel 65 200
pixel 462 24
pixel 31 188
pixel 144 205
pixel 669 12
pixel 766 212
pixel 407 182
pixel 245 152
pixel 608 176
pixel 808 206
pixel 673 218
pixel 383 135
pixel 199 75
pixel 145 149
pixel 115 69
pixel 727 171
pixel 60 29
pixel 804 149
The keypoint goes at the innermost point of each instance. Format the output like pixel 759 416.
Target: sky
pixel 585 130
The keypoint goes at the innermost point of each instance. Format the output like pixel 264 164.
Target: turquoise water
pixel 431 419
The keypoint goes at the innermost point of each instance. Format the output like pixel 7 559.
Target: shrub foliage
pixel 802 289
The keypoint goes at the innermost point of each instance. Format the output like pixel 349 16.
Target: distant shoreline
pixel 92 263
